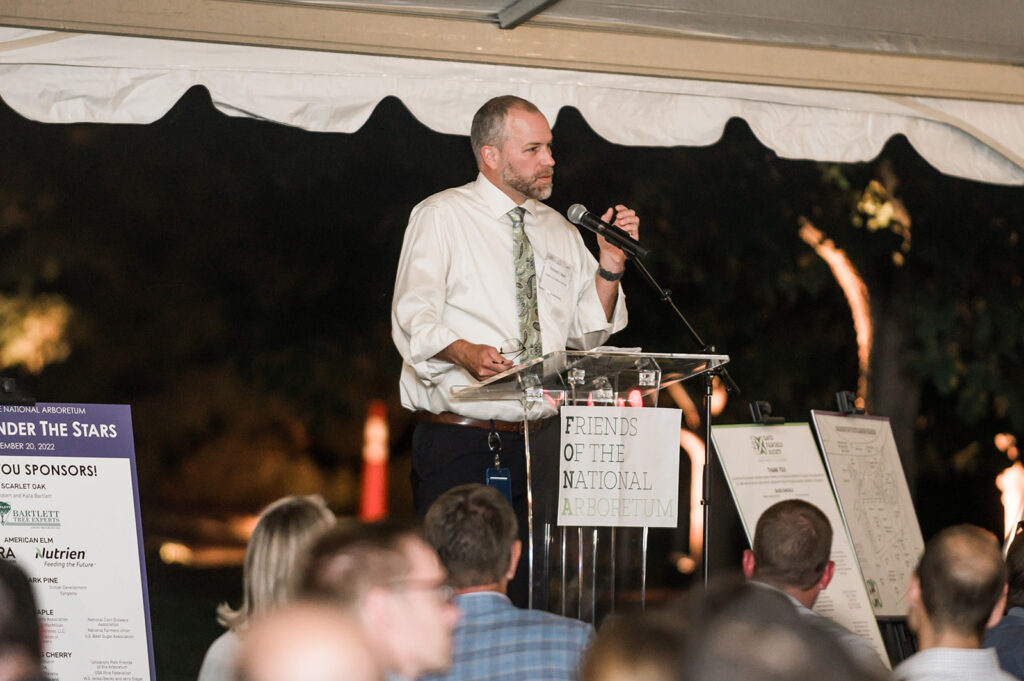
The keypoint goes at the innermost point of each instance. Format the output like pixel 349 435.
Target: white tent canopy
pixel 67 77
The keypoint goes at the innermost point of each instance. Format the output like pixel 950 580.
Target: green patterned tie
pixel 526 287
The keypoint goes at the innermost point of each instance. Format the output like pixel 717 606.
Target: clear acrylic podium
pixel 573 571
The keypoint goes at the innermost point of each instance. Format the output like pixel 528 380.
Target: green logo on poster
pixel 766 445
pixel 5 508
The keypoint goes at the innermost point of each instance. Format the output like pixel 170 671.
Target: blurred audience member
pixel 21 648
pixel 791 549
pixel 306 642
pixel 640 646
pixel 1007 637
pixel 284 531
pixel 392 583
pixel 746 633
pixel 475 532
pixel 958 589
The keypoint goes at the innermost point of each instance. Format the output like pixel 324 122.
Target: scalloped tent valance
pixel 65 78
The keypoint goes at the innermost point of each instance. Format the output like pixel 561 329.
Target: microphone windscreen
pixel 576 212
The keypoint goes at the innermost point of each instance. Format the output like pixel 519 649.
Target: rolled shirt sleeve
pixel 417 309
pixel 590 328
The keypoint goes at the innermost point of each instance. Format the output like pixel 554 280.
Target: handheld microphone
pixel 579 215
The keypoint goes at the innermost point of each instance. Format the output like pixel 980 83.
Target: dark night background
pixel 231 280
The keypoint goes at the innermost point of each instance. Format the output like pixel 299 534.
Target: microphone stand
pixel 730 387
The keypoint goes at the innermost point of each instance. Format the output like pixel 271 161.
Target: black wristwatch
pixel 609 276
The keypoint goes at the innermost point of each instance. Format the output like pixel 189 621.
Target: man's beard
pixel 528 187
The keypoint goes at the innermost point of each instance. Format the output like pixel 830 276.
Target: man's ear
pixel 748 563
pixel 826 576
pixel 517 550
pixel 490 156
pixel 914 605
pixel 375 608
pixel 997 612
pixel 914 593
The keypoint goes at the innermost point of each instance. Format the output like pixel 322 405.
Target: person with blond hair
pixel 285 529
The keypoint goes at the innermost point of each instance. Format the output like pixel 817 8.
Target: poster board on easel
pixel 871 489
pixel 767 464
pixel 69 508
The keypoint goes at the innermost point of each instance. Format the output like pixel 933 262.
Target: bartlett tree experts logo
pixel 40 519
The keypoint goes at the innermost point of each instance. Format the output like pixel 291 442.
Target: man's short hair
pixel 792 545
pixel 351 558
pixel 1015 570
pixel 489 121
pixel 19 624
pixel 962 575
pixel 472 528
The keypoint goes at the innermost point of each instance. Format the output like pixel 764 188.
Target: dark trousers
pixel 445 456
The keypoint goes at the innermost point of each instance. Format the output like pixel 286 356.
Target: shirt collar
pixel 477 601
pixel 498 202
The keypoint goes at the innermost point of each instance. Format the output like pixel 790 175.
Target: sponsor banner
pixel 619 467
pixel 69 517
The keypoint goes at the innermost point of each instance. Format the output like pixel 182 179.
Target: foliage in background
pixel 231 280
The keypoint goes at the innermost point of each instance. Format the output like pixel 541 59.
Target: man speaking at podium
pixel 490 277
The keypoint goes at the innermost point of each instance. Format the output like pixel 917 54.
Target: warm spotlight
pixel 373 502
pixel 694 447
pixel 173 552
pixel 856 292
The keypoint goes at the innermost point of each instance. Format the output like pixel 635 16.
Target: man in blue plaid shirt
pixel 474 531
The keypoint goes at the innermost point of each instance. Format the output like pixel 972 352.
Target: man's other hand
pixel 483 361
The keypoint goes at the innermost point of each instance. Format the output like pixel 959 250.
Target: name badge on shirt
pixel 556 278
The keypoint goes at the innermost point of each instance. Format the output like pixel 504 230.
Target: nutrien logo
pixel 67 553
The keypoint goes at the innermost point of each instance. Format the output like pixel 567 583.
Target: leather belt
pixel 449 419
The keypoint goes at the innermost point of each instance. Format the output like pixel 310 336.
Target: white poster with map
pixel 69 517
pixel 767 464
pixel 864 465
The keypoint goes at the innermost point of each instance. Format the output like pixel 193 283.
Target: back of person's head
pixel 742 632
pixel 962 576
pixel 639 646
pixel 792 545
pixel 353 557
pixel 1015 570
pixel 19 623
pixel 306 642
pixel 488 128
pixel 285 530
pixel 472 528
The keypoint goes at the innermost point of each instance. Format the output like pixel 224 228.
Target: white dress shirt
pixel 456 280
pixel 951 664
